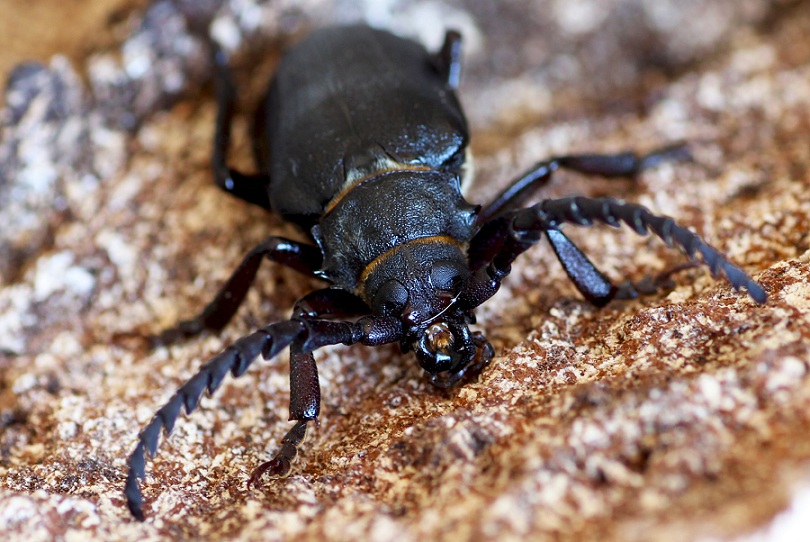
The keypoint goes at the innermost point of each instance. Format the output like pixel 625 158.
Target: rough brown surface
pixel 680 416
pixel 37 30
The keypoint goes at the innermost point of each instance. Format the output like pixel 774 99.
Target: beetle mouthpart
pixel 439 349
pixel 439 338
pixel 445 379
pixel 484 353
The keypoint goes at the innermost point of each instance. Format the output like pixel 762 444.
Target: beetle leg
pixel 652 285
pixel 485 355
pixel 305 394
pixel 281 464
pixel 448 59
pixel 305 404
pixel 330 302
pixel 624 164
pixel 589 280
pixel 250 188
pixel 516 232
pixel 307 334
pixel 299 256
pixel 591 283
pixel 594 285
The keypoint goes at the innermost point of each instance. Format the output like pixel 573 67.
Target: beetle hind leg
pixel 448 59
pixel 250 188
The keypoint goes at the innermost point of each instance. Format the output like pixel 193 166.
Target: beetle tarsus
pixel 180 332
pixel 281 464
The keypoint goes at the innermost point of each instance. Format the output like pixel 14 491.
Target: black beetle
pixel 361 142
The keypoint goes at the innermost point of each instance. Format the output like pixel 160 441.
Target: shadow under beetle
pixel 361 142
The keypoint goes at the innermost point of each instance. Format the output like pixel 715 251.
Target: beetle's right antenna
pixel 519 230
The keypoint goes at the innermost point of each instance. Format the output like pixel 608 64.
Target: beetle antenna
pixel 312 334
pixel 582 211
pixel 236 358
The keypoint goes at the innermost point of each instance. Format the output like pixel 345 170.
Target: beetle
pixel 361 142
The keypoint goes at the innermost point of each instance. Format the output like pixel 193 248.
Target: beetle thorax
pixel 394 225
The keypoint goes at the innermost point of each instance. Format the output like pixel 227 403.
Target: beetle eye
pixel 390 299
pixel 448 276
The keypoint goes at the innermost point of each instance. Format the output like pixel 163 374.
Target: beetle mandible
pixel 357 121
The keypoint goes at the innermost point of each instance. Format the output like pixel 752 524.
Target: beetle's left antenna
pixel 236 358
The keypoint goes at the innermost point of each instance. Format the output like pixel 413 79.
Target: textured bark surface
pixel 679 416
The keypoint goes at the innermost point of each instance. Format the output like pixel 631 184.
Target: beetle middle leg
pixel 304 258
pixel 623 164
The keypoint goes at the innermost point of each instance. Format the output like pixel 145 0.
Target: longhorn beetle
pixel 361 142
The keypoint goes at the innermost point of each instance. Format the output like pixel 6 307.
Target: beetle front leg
pixel 584 211
pixel 592 283
pixel 490 241
pixel 650 285
pixel 235 359
pixel 281 464
pixel 589 280
pixel 308 334
pixel 305 393
pixel 305 404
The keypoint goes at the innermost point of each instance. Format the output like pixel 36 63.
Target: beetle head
pixel 419 284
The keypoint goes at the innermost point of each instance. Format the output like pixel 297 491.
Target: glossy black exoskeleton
pixel 361 142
